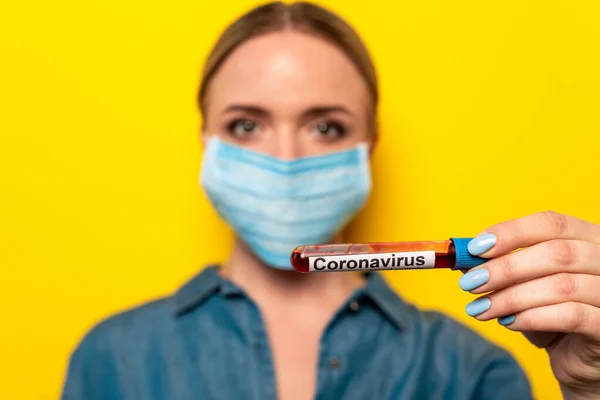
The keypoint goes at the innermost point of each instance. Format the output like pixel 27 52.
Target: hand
pixel 549 289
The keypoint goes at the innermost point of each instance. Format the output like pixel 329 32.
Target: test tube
pixel 452 254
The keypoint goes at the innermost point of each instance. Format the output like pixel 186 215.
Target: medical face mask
pixel 275 205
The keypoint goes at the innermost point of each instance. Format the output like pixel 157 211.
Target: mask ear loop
pixel 374 137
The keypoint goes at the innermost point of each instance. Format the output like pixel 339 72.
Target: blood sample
pixel 451 253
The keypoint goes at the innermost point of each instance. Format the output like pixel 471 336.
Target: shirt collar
pixel 209 282
pixel 391 305
pixel 202 286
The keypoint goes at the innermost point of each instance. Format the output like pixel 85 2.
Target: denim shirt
pixel 208 341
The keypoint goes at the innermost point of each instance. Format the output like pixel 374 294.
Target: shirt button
pixel 354 305
pixel 334 363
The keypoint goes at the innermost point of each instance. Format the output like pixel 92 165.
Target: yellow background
pixel 490 111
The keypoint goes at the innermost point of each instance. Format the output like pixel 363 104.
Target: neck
pixel 267 285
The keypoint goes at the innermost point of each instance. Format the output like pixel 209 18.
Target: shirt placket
pixel 264 384
pixel 332 359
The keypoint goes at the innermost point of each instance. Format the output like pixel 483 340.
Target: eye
pixel 242 128
pixel 329 130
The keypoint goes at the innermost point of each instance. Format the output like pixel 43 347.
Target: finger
pixel 511 235
pixel 542 259
pixel 568 317
pixel 549 290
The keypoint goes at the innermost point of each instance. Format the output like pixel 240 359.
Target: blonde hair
pixel 299 16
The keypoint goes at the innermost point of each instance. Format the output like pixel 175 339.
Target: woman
pixel 289 98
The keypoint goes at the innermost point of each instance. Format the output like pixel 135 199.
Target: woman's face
pixel 288 95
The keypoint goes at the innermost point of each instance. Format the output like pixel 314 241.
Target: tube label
pixel 375 261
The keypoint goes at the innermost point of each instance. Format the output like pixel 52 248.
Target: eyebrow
pixel 322 110
pixel 258 111
pixel 308 114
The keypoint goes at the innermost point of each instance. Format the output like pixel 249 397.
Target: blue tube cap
pixel 464 259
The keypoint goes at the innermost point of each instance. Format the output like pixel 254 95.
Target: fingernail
pixel 507 320
pixel 481 244
pixel 478 306
pixel 474 278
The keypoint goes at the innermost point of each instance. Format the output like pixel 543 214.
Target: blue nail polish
pixel 481 244
pixel 474 278
pixel 507 320
pixel 478 306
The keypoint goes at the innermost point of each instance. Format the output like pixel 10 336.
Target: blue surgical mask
pixel 275 205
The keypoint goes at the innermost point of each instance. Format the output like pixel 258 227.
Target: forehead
pixel 287 69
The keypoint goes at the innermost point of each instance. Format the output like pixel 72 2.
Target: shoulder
pixel 152 320
pixel 476 361
pixel 446 329
pixel 152 324
pixel 431 331
pixel 455 356
pixel 104 353
pixel 128 327
pixel 455 338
